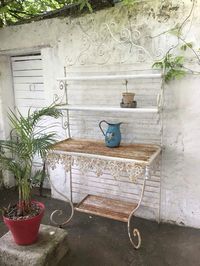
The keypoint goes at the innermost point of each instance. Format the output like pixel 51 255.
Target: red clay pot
pixel 25 232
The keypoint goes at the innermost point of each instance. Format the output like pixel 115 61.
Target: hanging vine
pixel 172 63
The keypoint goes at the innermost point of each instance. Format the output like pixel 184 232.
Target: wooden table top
pixel 137 152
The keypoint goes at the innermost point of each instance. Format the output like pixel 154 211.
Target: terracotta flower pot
pixel 128 97
pixel 25 232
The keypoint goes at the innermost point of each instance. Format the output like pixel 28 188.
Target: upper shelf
pixel 108 109
pixel 112 77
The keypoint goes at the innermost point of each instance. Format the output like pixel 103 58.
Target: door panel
pixel 28 81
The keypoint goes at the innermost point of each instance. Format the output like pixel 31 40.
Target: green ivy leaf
pixel 173 66
pixel 186 45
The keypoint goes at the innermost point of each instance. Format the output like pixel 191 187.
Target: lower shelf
pixel 106 207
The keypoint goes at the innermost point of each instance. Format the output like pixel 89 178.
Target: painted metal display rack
pixel 136 160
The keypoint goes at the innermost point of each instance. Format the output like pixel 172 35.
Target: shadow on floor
pixel 97 241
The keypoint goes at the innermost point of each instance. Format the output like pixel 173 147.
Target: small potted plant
pixel 128 98
pixel 16 156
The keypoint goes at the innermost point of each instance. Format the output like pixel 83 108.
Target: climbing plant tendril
pixel 173 63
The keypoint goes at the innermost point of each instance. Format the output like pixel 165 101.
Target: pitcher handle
pixel 101 127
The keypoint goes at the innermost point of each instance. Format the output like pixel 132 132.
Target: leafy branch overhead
pixel 20 11
pixel 15 11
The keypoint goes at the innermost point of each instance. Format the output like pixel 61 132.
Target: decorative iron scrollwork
pixel 62 85
pixel 110 42
pixel 60 212
pixel 136 234
pixel 98 165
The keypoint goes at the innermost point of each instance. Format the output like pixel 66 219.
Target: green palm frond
pixel 42 144
pixel 11 165
pixel 20 125
pixel 37 177
pixel 8 144
pixel 40 129
pixel 17 154
pixel 51 111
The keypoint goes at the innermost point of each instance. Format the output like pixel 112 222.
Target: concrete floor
pixel 96 241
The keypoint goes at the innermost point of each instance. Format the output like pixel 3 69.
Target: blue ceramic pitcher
pixel 112 135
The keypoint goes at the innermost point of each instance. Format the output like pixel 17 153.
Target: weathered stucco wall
pixel 6 102
pixel 88 44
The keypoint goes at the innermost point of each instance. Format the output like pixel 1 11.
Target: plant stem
pixel 190 47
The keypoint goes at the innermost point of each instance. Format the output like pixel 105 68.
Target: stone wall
pixel 93 43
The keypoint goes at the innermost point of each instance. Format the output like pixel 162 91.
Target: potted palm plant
pixel 16 155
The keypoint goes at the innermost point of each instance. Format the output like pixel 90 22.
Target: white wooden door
pixel 28 82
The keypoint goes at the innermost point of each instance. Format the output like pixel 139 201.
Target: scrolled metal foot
pixel 136 233
pixel 60 212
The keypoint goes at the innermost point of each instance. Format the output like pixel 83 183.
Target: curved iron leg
pixel 136 232
pixel 60 212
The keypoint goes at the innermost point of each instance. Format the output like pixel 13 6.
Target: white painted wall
pixel 85 44
pixel 180 179
pixel 6 102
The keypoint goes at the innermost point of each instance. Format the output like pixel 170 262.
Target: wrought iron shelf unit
pixel 135 160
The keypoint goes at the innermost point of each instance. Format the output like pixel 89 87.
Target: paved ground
pixel 95 241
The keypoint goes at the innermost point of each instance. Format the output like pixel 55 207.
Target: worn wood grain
pixel 106 207
pixel 140 152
